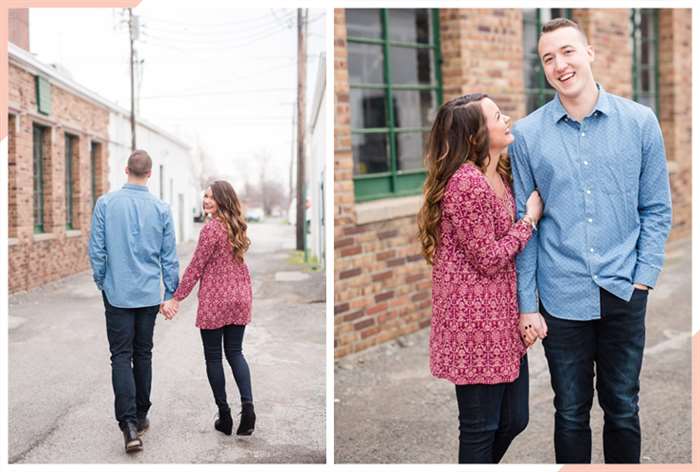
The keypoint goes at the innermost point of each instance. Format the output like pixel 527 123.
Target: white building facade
pixel 316 166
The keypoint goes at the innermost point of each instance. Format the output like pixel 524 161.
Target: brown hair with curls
pixel 229 212
pixel 459 135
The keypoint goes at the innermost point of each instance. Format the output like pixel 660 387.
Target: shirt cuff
pixel 646 275
pixel 528 303
pixel 167 296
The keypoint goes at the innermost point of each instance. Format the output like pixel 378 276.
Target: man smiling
pixel 599 164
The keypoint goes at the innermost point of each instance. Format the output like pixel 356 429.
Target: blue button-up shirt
pixel 132 243
pixel 607 204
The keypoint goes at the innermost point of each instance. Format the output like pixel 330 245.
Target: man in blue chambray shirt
pixel 598 162
pixel 132 244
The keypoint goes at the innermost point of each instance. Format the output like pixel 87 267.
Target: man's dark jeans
pixel 130 335
pixel 614 346
pixel 490 417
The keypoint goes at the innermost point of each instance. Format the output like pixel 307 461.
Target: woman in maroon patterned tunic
pixel 225 299
pixel 469 234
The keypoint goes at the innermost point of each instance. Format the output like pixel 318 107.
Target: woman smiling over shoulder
pixel 225 300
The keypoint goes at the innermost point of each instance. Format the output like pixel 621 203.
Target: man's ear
pixel 591 53
pixel 126 170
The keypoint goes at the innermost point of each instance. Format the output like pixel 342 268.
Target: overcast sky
pixel 224 76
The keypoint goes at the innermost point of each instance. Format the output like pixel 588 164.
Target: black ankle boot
pixel 132 442
pixel 247 425
pixel 225 422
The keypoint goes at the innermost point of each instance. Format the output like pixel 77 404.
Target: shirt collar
pixel 558 112
pixel 143 188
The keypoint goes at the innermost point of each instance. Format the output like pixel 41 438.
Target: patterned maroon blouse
pixel 225 292
pixel 474 336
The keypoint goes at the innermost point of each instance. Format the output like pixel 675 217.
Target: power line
pixel 213 35
pixel 169 42
pixel 211 25
pixel 223 92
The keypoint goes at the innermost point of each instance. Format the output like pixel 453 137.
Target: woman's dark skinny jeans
pixel 232 336
pixel 490 417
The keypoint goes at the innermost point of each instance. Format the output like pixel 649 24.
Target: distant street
pixel 60 393
pixel 389 409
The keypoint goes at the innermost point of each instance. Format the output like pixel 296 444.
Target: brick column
pixel 608 31
pixel 343 185
pixel 344 199
pixel 482 51
pixel 675 77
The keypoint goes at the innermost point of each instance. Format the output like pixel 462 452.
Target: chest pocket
pixel 619 173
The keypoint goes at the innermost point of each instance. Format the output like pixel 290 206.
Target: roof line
pixel 25 59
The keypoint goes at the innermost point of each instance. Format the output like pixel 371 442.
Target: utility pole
pixel 291 159
pixel 131 71
pixel 301 125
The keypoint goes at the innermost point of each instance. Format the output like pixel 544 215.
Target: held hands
pixel 532 327
pixel 169 308
pixel 534 206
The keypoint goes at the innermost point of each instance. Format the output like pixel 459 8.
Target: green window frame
pixel 38 143
pixel 645 56
pixel 71 142
pixel 394 181
pixel 537 89
pixel 43 95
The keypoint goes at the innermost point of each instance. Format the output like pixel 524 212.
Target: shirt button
pixel 585 163
pixel 592 250
pixel 588 192
pixel 595 277
pixel 590 220
pixel 583 134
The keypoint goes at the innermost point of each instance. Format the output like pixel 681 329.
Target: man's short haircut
pixel 556 23
pixel 139 163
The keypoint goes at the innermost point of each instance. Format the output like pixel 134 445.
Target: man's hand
pixel 641 287
pixel 532 327
pixel 170 308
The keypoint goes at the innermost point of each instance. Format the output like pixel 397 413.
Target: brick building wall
pixel 382 284
pixel 676 81
pixel 384 287
pixel 18 27
pixel 35 259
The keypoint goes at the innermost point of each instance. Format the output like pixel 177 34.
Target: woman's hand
pixel 170 308
pixel 533 206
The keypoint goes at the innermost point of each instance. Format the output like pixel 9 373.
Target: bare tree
pixel 205 163
pixel 270 191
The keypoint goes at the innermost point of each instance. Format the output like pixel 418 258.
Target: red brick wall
pixel 18 22
pixel 675 75
pixel 482 51
pixel 382 284
pixel 608 31
pixel 37 259
pixel 342 183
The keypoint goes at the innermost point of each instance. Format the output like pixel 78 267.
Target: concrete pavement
pixel 60 394
pixel 389 409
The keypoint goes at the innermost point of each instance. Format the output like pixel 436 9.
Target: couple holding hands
pixel 132 244
pixel 560 242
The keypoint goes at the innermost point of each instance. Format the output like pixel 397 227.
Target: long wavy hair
pixel 459 135
pixel 229 212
